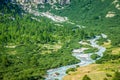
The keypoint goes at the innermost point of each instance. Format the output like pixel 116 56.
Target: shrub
pixel 71 69
pixel 105 79
pixel 94 56
pixel 108 75
pixel 91 50
pixel 117 76
pixel 77 66
pixel 86 78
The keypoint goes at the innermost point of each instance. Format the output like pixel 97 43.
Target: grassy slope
pixel 94 71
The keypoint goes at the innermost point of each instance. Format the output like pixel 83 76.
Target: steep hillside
pixel 30 45
pixel 98 14
pixel 43 1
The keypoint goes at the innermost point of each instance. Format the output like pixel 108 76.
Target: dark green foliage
pixel 108 75
pixel 107 57
pixel 77 66
pixel 86 78
pixel 91 13
pixel 26 35
pixel 117 76
pixel 47 7
pixel 101 41
pixel 94 56
pixel 91 50
pixel 71 70
pixel 26 61
pixel 105 79
pixel 7 7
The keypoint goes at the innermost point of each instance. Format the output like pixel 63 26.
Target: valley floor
pixel 95 71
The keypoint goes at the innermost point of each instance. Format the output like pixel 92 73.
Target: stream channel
pixel 80 55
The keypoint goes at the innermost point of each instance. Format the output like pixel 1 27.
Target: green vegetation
pixel 71 70
pixel 91 50
pixel 41 7
pixel 94 56
pixel 23 40
pixel 24 43
pixel 102 40
pixel 117 76
pixel 107 57
pixel 92 14
pixel 86 78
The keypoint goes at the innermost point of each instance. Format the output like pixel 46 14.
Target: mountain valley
pixel 40 39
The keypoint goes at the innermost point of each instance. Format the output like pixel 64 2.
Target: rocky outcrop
pixel 62 2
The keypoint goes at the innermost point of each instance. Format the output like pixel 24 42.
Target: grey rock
pixel 61 2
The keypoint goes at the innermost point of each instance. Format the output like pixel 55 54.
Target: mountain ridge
pixel 61 2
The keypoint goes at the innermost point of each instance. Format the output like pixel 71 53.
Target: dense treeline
pixel 22 38
pixel 22 41
pixel 92 14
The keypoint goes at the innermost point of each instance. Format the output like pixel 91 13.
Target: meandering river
pixel 79 54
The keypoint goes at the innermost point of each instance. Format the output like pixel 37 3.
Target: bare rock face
pixel 62 2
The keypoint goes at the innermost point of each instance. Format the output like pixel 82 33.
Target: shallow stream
pixel 85 59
